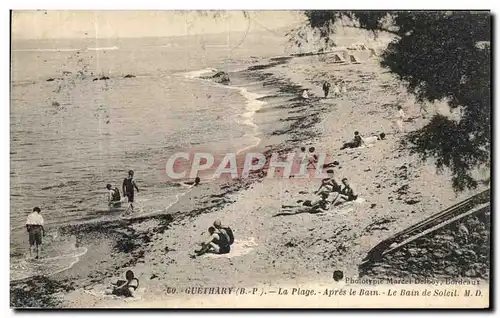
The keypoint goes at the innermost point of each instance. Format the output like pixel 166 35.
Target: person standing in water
pixel 128 189
pixel 114 198
pixel 34 226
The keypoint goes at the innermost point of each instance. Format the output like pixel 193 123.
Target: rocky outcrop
pixel 461 249
pixel 102 78
pixel 220 77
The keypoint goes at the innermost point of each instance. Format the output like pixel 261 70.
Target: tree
pixel 438 55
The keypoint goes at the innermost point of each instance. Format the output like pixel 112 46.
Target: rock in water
pixel 221 78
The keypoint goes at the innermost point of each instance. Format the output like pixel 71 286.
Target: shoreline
pixel 149 241
pixel 53 285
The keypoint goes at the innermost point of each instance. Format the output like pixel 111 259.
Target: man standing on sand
pixel 128 189
pixel 400 118
pixel 34 226
pixel 326 88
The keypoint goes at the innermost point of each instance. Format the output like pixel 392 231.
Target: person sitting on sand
pixel 224 230
pixel 355 143
pixel 126 288
pixel 329 183
pixel 114 198
pixel 347 193
pixel 217 243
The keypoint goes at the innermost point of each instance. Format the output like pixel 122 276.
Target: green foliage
pixel 439 55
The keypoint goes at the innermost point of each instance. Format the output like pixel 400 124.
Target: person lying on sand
pixel 194 183
pixel 331 164
pixel 321 205
pixel 114 198
pixel 355 143
pixel 125 288
pixel 308 206
pixel 217 243
pixel 372 139
pixel 346 194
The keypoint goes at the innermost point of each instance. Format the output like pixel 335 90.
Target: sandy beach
pixel 271 247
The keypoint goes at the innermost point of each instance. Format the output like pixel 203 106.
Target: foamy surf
pixel 142 214
pixel 46 50
pixel 26 268
pixel 198 73
pixel 253 104
pixel 108 48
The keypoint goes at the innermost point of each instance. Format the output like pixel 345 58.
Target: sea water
pixel 72 134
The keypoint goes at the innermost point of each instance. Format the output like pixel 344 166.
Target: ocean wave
pixel 142 214
pixel 23 268
pixel 198 73
pixel 109 48
pixel 46 50
pixel 253 104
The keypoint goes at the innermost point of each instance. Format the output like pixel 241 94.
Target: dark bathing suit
pixel 129 189
pixel 326 88
pixel 124 291
pixel 332 183
pixel 116 195
pixel 349 193
pixel 223 242
pixel 353 144
pixel 35 234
